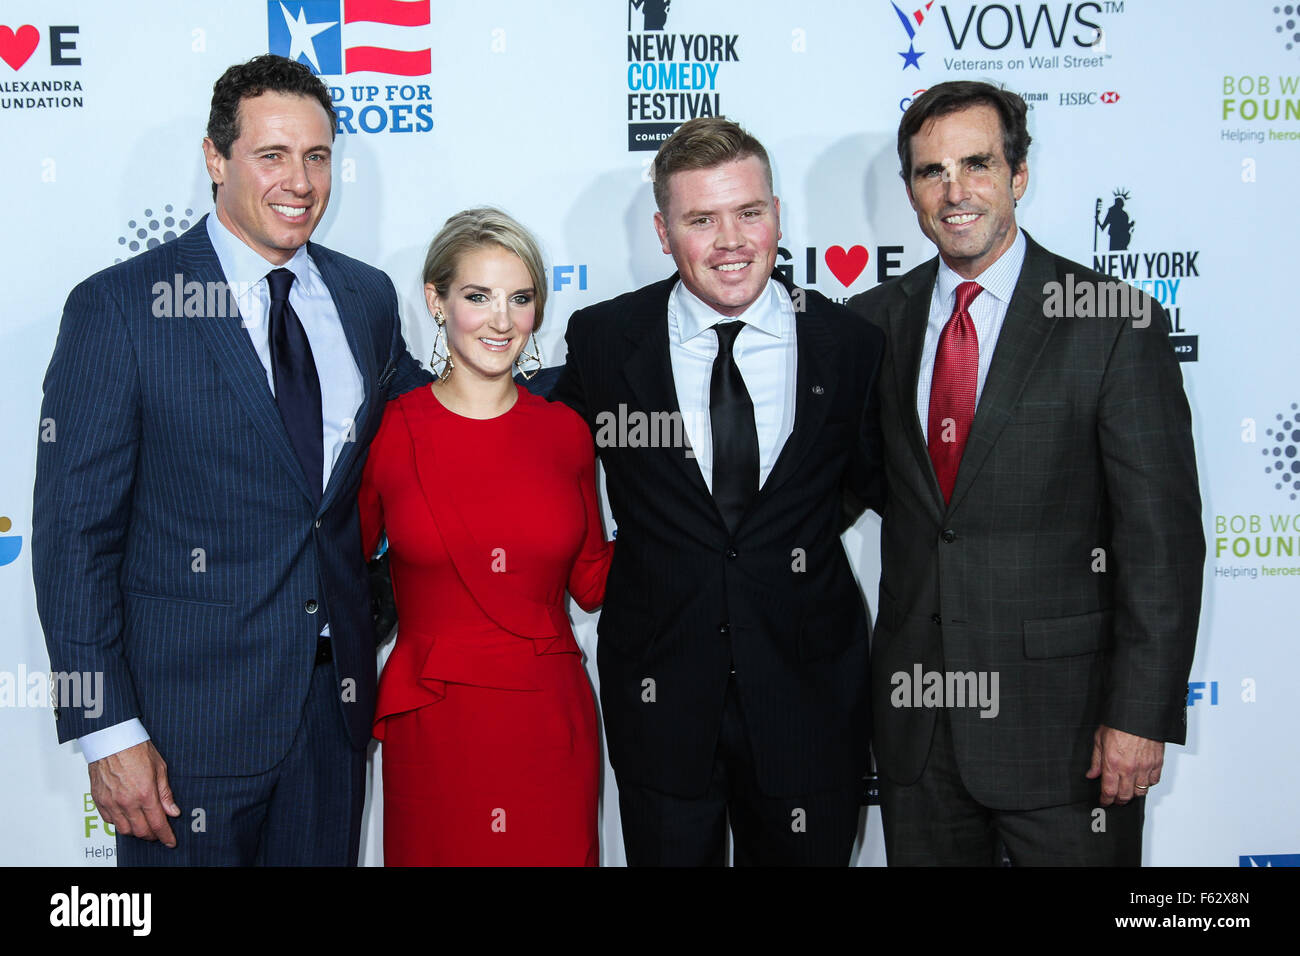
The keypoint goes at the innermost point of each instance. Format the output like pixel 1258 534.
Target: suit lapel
pixel 1025 331
pixel 815 381
pixel 233 351
pixel 907 332
pixel 352 312
pixel 649 373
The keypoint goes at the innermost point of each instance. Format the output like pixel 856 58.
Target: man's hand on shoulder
pixel 131 791
pixel 1128 765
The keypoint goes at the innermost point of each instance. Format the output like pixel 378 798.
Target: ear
pixel 215 162
pixel 432 299
pixel 661 227
pixel 776 208
pixel 1020 180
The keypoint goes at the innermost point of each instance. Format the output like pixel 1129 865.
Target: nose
pixel 499 319
pixel 296 179
pixel 954 185
pixel 729 234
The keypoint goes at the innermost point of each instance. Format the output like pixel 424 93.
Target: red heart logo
pixel 17 48
pixel 847 265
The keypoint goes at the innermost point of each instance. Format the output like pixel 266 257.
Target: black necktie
pixel 297 386
pixel 735 438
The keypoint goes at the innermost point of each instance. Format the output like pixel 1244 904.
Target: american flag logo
pixel 334 37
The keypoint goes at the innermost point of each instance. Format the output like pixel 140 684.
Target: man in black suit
pixel 731 412
pixel 1042 548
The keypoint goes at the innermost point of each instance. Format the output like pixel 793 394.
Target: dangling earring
pixel 438 358
pixel 525 356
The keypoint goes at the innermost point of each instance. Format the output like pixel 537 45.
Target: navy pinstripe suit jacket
pixel 167 440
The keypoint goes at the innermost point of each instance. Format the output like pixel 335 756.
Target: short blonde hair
pixel 472 229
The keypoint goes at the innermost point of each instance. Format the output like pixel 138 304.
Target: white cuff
pixel 112 740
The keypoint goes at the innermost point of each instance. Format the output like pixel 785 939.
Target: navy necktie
pixel 297 386
pixel 735 437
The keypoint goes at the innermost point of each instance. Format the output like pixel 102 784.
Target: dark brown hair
pixel 957 95
pixel 267 73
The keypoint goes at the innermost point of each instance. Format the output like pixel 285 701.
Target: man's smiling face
pixel 274 187
pixel 963 190
pixel 721 228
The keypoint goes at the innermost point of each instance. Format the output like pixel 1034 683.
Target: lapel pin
pixel 818 390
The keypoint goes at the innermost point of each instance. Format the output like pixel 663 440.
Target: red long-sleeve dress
pixel 485 711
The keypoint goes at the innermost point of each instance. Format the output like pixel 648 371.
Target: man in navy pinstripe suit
pixel 195 534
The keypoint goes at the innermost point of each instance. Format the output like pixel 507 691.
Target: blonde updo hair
pixel 472 229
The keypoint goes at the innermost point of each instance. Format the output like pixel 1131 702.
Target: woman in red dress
pixel 488 496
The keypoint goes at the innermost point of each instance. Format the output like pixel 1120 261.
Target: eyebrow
pixel 281 148
pixel 752 204
pixel 985 158
pixel 470 286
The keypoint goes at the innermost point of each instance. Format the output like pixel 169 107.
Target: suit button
pixel 318 522
pixel 935 619
pixel 733 553
pixel 949 536
pixel 724 629
pixel 311 606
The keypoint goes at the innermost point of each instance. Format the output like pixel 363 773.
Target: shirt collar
pixel 244 268
pixel 998 280
pixel 695 316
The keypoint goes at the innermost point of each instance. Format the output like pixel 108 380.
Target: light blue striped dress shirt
pixel 987 312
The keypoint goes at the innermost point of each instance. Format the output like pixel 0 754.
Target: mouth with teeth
pixel 731 266
pixel 495 345
pixel 290 212
pixel 961 218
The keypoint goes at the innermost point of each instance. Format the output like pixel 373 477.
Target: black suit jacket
pixel 686 598
pixel 1069 561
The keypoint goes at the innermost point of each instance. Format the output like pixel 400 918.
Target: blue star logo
pixel 910 56
pixel 307 31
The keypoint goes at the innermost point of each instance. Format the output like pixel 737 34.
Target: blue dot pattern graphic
pixel 1288 16
pixel 153 229
pixel 1282 454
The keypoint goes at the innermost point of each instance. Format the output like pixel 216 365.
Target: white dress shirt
pixel 987 312
pixel 765 352
pixel 341 387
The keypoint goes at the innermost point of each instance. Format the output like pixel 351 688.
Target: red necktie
pixel 952 390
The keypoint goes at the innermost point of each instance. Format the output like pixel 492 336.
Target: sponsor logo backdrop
pixel 1165 135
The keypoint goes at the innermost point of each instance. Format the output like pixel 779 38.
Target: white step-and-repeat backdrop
pixel 1166 146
